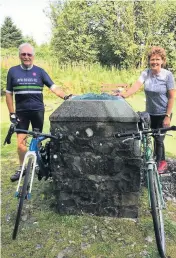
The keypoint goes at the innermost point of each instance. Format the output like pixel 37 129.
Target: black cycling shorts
pixel 36 118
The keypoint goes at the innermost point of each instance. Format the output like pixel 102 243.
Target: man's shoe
pixel 16 176
pixel 162 167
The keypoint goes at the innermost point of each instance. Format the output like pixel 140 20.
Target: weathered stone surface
pixel 95 110
pixel 93 172
pixel 168 180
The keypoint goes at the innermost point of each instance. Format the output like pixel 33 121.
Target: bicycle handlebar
pixel 34 133
pixel 153 132
pixel 9 134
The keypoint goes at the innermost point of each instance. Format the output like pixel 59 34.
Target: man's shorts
pixel 36 118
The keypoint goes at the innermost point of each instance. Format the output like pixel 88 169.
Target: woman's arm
pixel 171 94
pixel 134 88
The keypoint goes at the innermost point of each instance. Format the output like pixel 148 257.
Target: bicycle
pixel 156 200
pixel 32 157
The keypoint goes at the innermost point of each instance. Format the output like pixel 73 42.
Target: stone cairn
pixel 169 180
pixel 94 172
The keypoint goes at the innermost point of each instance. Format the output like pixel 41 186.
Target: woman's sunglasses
pixel 26 54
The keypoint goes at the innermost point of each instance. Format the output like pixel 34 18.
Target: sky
pixel 29 17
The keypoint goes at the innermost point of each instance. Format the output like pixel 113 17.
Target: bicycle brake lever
pixel 168 134
pixel 127 139
pixel 9 134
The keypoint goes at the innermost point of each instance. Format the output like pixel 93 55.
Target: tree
pixel 11 36
pixel 72 38
pixel 113 32
pixel 30 39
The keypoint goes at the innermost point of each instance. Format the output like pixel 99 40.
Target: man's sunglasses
pixel 26 54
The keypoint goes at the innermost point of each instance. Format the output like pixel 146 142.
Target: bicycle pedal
pixel 28 196
pixel 18 194
pixel 165 177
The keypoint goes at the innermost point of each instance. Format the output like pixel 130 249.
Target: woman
pixel 159 90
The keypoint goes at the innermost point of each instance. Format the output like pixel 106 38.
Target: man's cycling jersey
pixel 27 85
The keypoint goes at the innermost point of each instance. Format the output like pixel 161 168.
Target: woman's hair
pixel 24 45
pixel 158 51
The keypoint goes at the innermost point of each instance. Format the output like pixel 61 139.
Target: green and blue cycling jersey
pixel 27 86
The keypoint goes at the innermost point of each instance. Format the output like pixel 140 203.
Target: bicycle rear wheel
pixel 156 210
pixel 22 198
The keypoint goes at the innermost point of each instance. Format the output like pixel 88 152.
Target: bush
pixel 3 80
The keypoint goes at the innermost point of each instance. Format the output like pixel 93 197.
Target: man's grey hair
pixel 26 45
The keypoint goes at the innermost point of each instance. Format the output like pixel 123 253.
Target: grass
pixel 44 233
pixel 76 78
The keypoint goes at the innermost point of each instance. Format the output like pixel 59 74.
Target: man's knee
pixel 21 142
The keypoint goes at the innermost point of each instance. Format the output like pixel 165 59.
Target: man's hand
pixel 14 118
pixel 68 96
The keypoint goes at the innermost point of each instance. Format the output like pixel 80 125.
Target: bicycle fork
pixel 27 156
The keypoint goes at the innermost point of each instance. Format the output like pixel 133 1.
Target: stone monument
pixel 94 172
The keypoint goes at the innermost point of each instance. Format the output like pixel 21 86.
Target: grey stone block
pixel 95 110
pixel 93 171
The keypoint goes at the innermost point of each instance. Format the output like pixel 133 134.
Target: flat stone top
pixel 95 110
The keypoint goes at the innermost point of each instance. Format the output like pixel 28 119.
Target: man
pixel 26 81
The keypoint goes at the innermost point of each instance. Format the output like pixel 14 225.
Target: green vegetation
pixel 44 233
pixel 74 77
pixel 79 78
pixel 112 33
pixel 11 35
pixel 85 36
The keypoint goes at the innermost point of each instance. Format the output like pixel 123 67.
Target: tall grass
pixel 78 78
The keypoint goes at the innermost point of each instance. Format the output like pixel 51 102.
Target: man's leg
pixel 21 147
pixel 37 119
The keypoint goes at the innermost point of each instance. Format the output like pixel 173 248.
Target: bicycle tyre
pixel 22 198
pixel 157 214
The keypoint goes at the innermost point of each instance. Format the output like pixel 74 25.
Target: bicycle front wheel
pixel 156 210
pixel 22 197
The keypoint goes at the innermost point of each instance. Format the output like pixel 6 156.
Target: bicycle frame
pixel 151 164
pixel 32 152
pixel 156 200
pixel 31 157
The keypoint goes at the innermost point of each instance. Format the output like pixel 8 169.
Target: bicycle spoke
pixel 22 196
pixel 156 210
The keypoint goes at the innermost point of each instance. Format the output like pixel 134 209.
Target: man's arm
pixel 9 101
pixel 9 92
pixel 59 92
pixel 50 84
